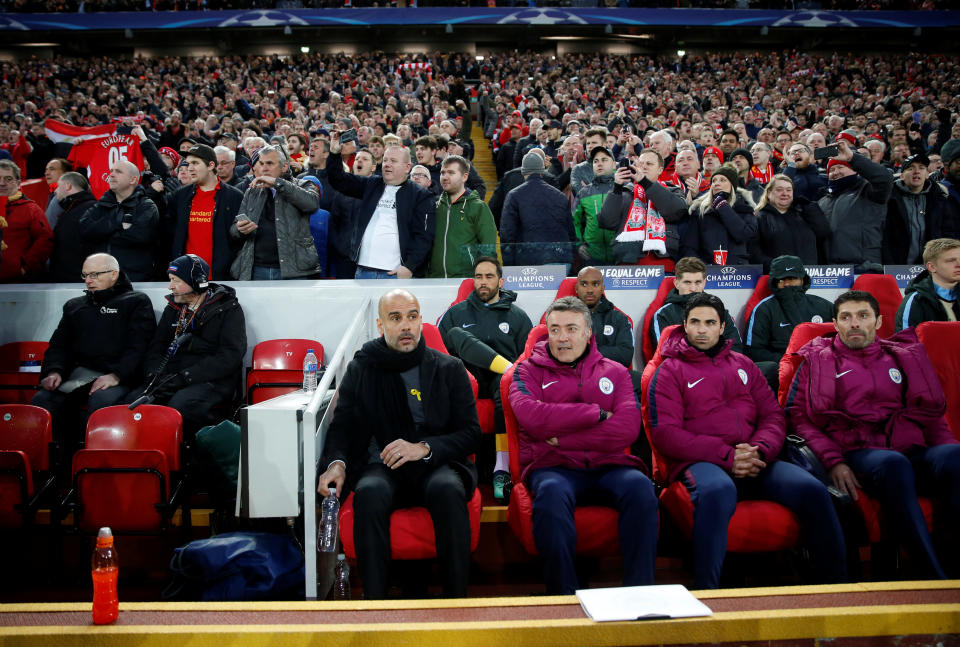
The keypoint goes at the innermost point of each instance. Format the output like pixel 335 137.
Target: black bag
pixel 796 451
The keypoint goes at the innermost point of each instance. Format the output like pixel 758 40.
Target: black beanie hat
pixel 192 270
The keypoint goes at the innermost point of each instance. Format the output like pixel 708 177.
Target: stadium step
pixel 483 159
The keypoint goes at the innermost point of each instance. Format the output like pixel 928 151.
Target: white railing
pixel 313 431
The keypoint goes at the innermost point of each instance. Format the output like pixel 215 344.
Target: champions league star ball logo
pixel 8 23
pixel 263 18
pixel 814 19
pixel 542 16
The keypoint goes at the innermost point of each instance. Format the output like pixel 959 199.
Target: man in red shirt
pixel 25 237
pixel 202 212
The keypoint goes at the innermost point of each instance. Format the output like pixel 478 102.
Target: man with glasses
pixel 809 181
pixel 96 353
pixel 227 165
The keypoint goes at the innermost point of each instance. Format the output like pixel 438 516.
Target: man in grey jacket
pixel 274 223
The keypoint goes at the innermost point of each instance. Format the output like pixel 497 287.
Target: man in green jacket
pixel 465 226
pixel 595 245
pixel 932 295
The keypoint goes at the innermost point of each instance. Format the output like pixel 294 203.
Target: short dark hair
pixel 856 295
pixel 427 141
pixel 489 259
pixel 704 300
pixel 570 304
pixel 730 131
pixel 459 161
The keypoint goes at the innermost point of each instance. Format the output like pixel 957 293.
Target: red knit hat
pixel 713 150
pixel 172 154
pixel 833 163
pixel 848 135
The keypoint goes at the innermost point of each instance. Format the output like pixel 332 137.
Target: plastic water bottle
pixel 310 371
pixel 104 571
pixel 329 521
pixel 341 582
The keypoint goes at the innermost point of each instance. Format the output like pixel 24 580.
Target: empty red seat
pixel 885 290
pixel 942 341
pixel 760 292
pixel 20 363
pixel 646 343
pixel 756 526
pixel 277 367
pixel 122 478
pixel 25 437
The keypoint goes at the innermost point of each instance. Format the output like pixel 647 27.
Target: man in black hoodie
pixel 773 319
pixel 194 359
pixel 73 198
pixel 96 353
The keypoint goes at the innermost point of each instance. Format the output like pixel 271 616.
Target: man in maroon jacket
pixel 578 415
pixel 716 422
pixel 872 411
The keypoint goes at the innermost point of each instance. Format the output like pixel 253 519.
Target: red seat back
pixel 284 354
pixel 658 467
pixel 20 363
pixel 885 290
pixel 537 334
pixel 257 381
pixel 646 344
pixel 761 292
pixel 568 288
pixel 433 338
pixel 27 429
pixel 149 426
pixel 466 287
pixel 790 361
pixel 124 500
pixel 942 341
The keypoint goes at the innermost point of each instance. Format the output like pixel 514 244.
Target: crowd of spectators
pixel 751 107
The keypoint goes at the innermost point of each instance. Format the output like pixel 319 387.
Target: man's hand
pixel 623 175
pixel 335 475
pixel 104 382
pixel 692 185
pixel 845 480
pixel 51 381
pixel 746 461
pixel 246 226
pixel 263 182
pixel 335 142
pixel 157 185
pixel 401 272
pixel 553 442
pixel 138 131
pixel 400 451
pixel 844 152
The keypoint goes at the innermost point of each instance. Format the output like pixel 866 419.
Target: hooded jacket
pixel 669 202
pixel 733 226
pixel 590 199
pixel 798 232
pixel 503 326
pixel 671 313
pixel 702 407
pixel 105 330
pixel 612 332
pixel 66 261
pixel 897 232
pixel 465 231
pixel 922 303
pixel 214 352
pixel 555 400
pixel 774 318
pixel 102 226
pixel 884 396
pixel 856 215
pixel 294 203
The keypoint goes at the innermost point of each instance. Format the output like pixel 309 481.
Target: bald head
pixel 590 286
pixel 399 320
pixel 124 178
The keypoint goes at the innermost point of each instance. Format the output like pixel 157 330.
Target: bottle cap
pixel 309 350
pixel 341 556
pixel 104 537
pixel 333 491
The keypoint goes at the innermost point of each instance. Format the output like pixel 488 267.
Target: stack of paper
pixel 641 603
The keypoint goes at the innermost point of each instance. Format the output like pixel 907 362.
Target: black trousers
pixel 379 492
pixel 196 403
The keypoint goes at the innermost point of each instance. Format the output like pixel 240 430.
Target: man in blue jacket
pixel 393 235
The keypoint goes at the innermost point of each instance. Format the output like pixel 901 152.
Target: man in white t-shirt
pixel 393 234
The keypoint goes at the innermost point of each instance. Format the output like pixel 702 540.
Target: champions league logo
pixel 814 19
pixel 263 18
pixel 542 16
pixel 9 23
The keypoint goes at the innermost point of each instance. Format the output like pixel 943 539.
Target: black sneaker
pixel 501 485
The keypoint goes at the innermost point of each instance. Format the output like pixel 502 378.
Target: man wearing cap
pixel 914 212
pixel 96 353
pixel 125 222
pixel 742 159
pixel 712 160
pixel 950 220
pixel 855 206
pixel 273 223
pixel 194 358
pixel 773 319
pixel 595 245
pixel 536 226
pixel 932 295
pixel 202 212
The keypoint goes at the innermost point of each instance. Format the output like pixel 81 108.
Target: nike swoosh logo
pixel 784 325
pixel 544 386
pixel 690 385
pixel 789 269
pixel 468 325
pixel 844 373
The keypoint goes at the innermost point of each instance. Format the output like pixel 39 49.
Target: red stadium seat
pixel 278 367
pixel 885 290
pixel 411 530
pixel 122 478
pixel 761 292
pixel 20 363
pixel 596 525
pixel 942 341
pixel 756 526
pixel 25 436
pixel 646 344
pixel 537 333
pixel 568 288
